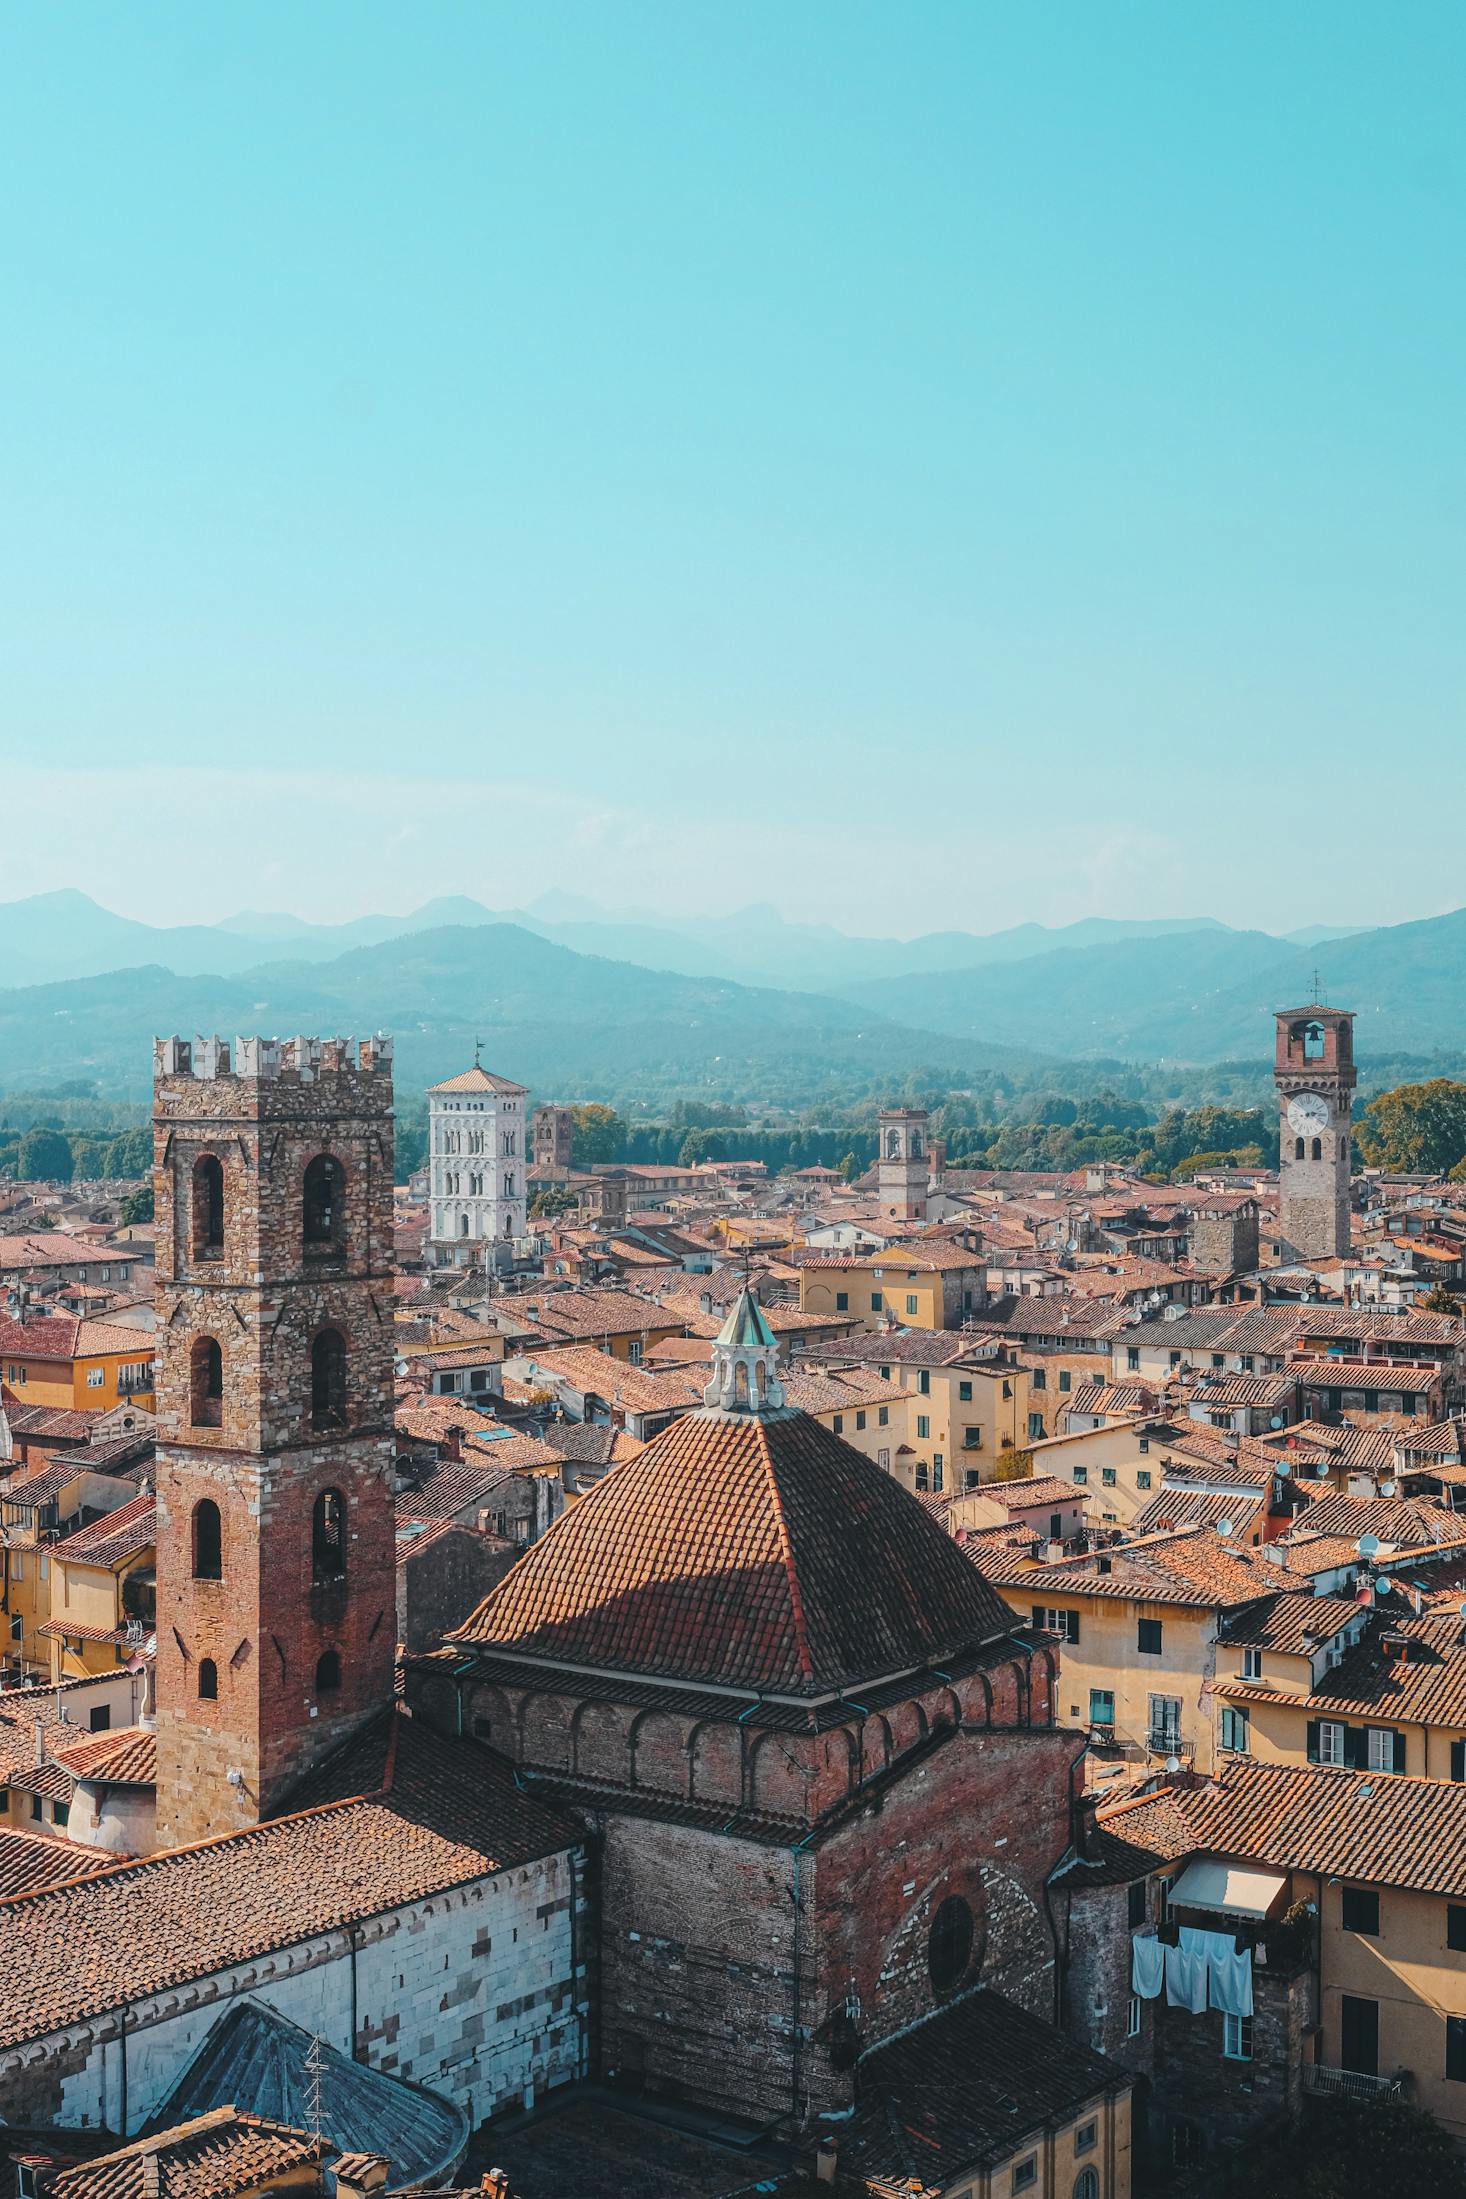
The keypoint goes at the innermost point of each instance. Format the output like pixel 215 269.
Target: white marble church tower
pixel 477 1166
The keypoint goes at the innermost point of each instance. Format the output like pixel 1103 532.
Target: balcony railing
pixel 1349 2084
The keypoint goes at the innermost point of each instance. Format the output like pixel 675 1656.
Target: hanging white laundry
pixel 1147 1966
pixel 1229 1975
pixel 1186 1979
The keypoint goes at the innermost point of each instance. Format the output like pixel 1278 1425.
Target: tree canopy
pixel 1419 1128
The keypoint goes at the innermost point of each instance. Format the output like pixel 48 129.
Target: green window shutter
pixel 1399 1752
pixel 1313 1747
pixel 1356 1748
pixel 1458 1759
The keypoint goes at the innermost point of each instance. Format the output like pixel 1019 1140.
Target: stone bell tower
pixel 903 1168
pixel 1315 1077
pixel 276 1574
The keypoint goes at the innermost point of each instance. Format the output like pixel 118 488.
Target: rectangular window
pixel 1107 1476
pixel 1132 1357
pixel 972 1439
pixel 1102 1706
pixel 859 1421
pixel 1142 1478
pixel 1135 1904
pixel 60 1813
pixel 1132 2021
pixel 1085 2136
pixel 1234 1730
pixel 883 1416
pixel 839 1423
pixel 96 1376
pixel 923 1379
pixel 1025 2173
pixel 1386 1749
pixel 1456 2049
pixel 912 1303
pixel 1456 1927
pixel 1081 1476
pixel 1051 1621
pixel 1064 1381
pixel 1165 1722
pixel 1359 2035
pixel 1325 1741
pixel 923 1427
pixel 1252 1664
pixel 842 1301
pixel 1237 2038
pixel 936 1472
pixel 964 1392
pixel 1038 1379
pixel 1035 1427
pixel 876 1303
pixel 1360 1911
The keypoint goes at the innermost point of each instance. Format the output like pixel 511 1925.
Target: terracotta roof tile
pixel 743 1550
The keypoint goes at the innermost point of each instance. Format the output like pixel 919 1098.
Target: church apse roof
pixel 749 1550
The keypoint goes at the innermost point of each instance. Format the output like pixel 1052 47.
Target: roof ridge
pixel 786 1553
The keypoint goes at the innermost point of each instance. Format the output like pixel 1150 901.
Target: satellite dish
pixel 1173 1763
pixel 1383 1587
pixel 1224 1527
pixel 1387 1488
pixel 1276 1421
pixel 1368 1546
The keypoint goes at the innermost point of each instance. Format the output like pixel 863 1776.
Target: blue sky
pixel 950 464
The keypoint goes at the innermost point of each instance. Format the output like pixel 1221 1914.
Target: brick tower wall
pixel 264 1295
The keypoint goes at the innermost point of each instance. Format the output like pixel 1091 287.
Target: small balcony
pixel 1323 2083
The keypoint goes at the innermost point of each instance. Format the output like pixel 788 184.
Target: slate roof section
pixel 210 2158
pixel 254 2058
pixel 398 1815
pixel 965 2089
pixel 744 1550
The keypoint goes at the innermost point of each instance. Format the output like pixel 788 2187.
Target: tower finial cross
pixel 478 1047
pixel 1317 986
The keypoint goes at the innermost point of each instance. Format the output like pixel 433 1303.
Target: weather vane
pixel 478 1047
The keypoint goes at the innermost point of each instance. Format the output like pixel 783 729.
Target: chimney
pixel 495 2184
pixel 151 2180
pixel 826 2161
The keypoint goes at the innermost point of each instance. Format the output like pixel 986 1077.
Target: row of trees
pixel 69 1156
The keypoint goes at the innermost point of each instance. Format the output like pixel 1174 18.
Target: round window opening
pixel 949 1944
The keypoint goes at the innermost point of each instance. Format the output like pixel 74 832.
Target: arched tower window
pixel 328 1381
pixel 328 1537
pixel 207 1215
pixel 1298 1149
pixel 1086 2184
pixel 1318 1149
pixel 208 1680
pixel 206 1383
pixel 323 1215
pixel 328 1672
pixel 1313 1042
pixel 208 1541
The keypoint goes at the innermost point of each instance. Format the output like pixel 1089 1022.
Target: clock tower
pixel 1315 1076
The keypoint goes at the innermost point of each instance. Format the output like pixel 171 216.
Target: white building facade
pixel 477 1165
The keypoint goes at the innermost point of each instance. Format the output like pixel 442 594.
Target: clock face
pixel 1308 1113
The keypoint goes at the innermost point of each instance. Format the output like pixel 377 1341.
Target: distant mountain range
pixel 575 998
pixel 66 934
pixel 565 1023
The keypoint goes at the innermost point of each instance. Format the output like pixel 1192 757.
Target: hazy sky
pixel 919 464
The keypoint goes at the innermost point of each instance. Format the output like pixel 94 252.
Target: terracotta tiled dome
pixel 751 1550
